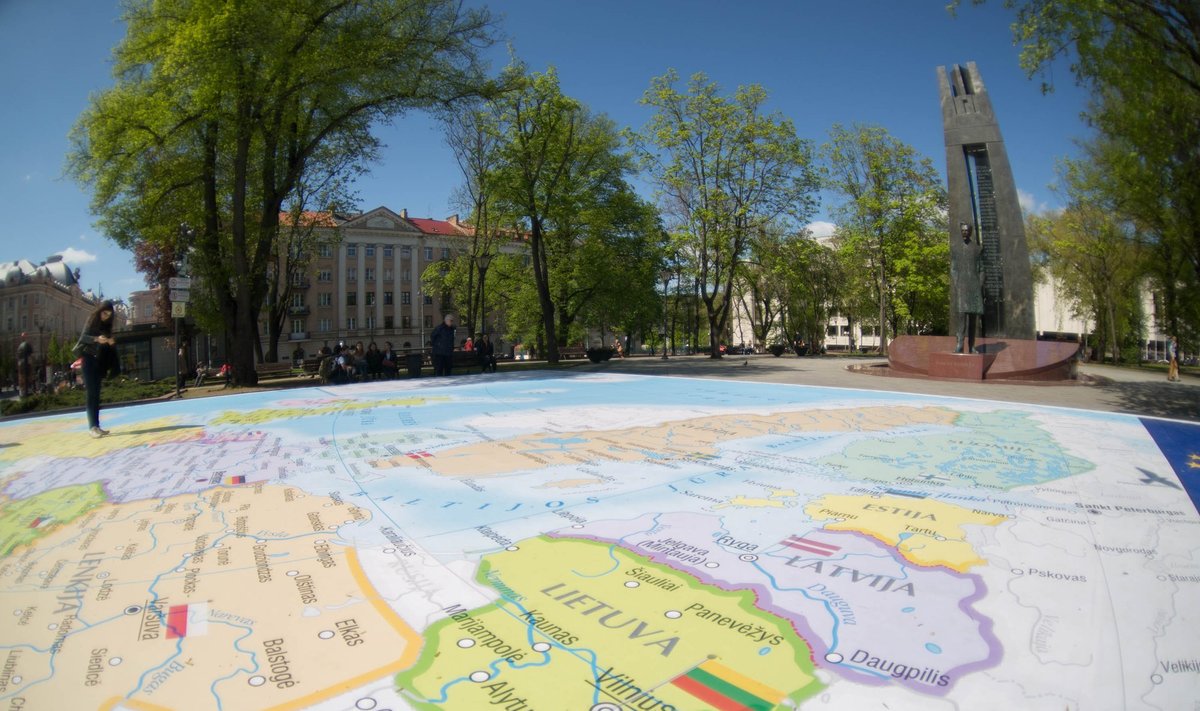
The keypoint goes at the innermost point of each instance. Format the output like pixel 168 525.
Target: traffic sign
pixel 178 309
pixel 179 282
pixel 180 295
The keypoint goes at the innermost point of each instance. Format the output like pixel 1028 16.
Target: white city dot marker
pixel 480 676
pixel 325 634
pixel 466 643
pixel 541 647
pixel 673 614
pixel 256 681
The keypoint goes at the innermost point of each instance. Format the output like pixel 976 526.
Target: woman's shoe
pixel 97 433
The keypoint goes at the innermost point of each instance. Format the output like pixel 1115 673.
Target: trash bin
pixel 414 362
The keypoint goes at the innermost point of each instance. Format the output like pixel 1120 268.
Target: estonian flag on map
pixel 726 690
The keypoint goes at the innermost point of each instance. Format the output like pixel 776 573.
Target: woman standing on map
pixel 96 336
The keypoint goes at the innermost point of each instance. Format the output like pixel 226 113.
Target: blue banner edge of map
pixel 1180 444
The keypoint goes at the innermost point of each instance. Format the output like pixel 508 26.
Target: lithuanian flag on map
pixel 726 690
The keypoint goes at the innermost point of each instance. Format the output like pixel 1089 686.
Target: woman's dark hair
pixel 94 321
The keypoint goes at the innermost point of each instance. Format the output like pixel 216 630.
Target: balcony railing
pixel 301 283
pixel 297 311
pixel 298 336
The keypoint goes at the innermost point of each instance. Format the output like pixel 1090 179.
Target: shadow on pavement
pixel 1174 400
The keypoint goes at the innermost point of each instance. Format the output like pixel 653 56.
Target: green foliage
pixel 725 172
pixel 1095 258
pixel 112 391
pixel 891 228
pixel 538 164
pixel 223 113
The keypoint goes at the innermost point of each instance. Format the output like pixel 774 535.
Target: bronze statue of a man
pixel 966 283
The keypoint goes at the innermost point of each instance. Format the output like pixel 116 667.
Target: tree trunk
pixel 541 275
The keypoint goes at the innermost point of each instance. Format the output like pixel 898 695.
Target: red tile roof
pixel 440 227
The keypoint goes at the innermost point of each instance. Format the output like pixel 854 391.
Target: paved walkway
pixel 1124 390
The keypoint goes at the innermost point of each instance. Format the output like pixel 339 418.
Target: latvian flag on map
pixel 726 690
pixel 419 455
pixel 189 620
pixel 810 546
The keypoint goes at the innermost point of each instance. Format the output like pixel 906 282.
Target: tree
pixel 724 171
pixel 221 109
pixel 893 201
pixel 557 159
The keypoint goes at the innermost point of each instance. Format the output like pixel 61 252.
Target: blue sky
pixel 823 62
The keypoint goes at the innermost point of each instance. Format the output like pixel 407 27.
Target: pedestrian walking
pixel 442 341
pixel 1173 358
pixel 93 343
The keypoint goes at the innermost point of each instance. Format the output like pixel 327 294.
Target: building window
pixel 406 297
pixel 352 298
pixel 445 252
pixel 428 300
pixel 325 275
pixel 351 273
pixel 297 279
pixel 351 250
pixel 387 298
pixel 429 254
pixel 370 323
pixel 326 324
pixel 405 276
pixel 428 321
pixel 406 321
pixel 387 274
pixel 297 299
pixel 406 252
pixel 297 325
pixel 370 298
pixel 325 299
pixel 388 323
pixel 387 251
pixel 351 323
pixel 369 273
pixel 37 299
pixel 325 250
pixel 370 250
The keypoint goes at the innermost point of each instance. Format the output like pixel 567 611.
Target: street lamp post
pixel 666 280
pixel 186 233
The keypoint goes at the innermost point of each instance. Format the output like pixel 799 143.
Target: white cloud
pixel 1030 205
pixel 76 257
pixel 83 238
pixel 821 230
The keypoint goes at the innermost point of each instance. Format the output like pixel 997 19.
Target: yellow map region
pixel 775 499
pixel 24 521
pixel 265 415
pixel 241 598
pixel 683 440
pixel 609 627
pixel 924 531
pixel 54 437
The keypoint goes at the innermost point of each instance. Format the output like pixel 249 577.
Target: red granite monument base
pixel 998 359
pixel 960 366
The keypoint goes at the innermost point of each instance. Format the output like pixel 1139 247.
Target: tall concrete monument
pixel 983 203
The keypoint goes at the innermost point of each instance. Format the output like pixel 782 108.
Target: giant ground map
pixel 597 543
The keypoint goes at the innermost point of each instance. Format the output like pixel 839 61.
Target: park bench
pixel 274 370
pixel 572 352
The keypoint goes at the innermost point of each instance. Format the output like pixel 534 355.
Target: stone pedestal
pixel 960 366
pixel 1002 359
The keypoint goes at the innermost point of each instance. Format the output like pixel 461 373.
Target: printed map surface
pixel 598 542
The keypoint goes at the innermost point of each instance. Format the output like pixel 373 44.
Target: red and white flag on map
pixel 811 546
pixel 190 620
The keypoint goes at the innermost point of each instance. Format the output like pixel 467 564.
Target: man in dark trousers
pixel 442 342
